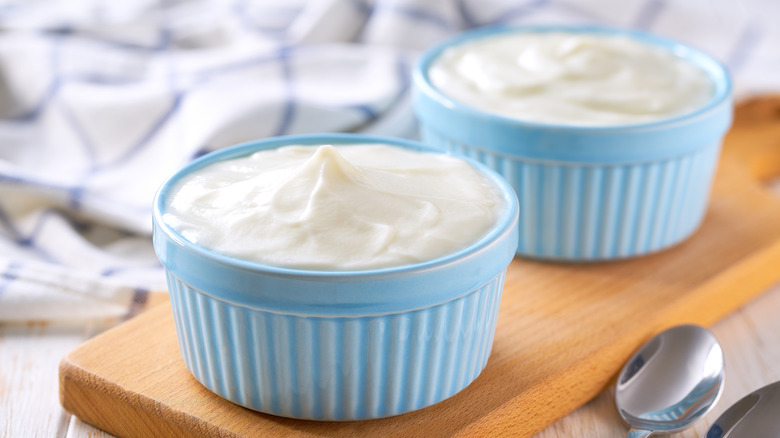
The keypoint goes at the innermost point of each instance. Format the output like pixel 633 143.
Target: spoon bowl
pixel 753 415
pixel 671 381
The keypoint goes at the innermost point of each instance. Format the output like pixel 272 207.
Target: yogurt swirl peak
pixel 343 207
pixel 570 78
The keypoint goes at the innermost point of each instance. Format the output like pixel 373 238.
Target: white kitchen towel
pixel 101 100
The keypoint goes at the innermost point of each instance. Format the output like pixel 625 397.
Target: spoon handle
pixel 638 433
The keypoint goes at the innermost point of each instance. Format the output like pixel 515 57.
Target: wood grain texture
pixel 563 331
pixel 750 338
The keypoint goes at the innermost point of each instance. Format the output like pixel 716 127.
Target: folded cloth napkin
pixel 100 101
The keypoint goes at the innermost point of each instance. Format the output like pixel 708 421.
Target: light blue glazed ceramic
pixel 335 345
pixel 589 193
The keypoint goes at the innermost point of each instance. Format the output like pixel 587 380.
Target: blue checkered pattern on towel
pixel 101 100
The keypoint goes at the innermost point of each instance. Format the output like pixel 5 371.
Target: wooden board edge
pixel 746 280
pixel 503 420
pixel 132 414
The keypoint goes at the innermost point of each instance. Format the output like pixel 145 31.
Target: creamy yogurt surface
pixel 335 207
pixel 570 78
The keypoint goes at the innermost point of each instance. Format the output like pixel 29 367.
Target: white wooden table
pixel 30 354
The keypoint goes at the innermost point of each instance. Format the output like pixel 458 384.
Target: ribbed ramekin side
pixel 573 211
pixel 336 368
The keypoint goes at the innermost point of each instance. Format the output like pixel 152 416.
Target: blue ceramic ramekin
pixel 335 345
pixel 589 193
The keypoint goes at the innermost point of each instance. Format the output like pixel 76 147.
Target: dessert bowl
pixel 334 345
pixel 589 193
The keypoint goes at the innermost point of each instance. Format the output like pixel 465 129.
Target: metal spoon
pixel 671 382
pixel 755 415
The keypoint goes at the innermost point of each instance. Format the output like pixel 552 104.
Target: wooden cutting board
pixel 564 330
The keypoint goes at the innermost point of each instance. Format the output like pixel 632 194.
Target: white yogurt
pixel 570 78
pixel 335 207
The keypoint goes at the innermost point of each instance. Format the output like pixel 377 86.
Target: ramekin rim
pixel 253 307
pixel 503 226
pixel 722 80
